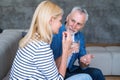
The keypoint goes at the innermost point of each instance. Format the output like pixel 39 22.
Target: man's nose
pixel 74 25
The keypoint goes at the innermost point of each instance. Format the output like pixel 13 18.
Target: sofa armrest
pixel 9 43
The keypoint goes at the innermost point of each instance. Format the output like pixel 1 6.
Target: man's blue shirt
pixel 56 46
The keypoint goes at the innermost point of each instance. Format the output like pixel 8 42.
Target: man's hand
pixel 86 60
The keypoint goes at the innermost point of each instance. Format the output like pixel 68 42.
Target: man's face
pixel 75 21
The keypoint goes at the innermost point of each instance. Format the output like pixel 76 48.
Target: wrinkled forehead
pixel 77 13
pixel 77 16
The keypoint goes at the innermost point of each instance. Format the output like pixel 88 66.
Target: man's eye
pixel 72 20
pixel 60 20
pixel 78 24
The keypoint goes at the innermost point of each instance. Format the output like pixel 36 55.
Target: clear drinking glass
pixel 75 44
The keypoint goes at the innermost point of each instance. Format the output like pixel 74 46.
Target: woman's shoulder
pixel 40 47
pixel 38 44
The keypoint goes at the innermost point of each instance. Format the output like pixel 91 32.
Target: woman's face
pixel 56 24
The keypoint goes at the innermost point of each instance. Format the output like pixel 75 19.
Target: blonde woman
pixel 34 59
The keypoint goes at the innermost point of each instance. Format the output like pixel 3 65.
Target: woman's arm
pixel 66 47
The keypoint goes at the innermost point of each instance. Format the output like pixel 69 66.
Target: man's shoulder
pixel 62 28
pixel 80 33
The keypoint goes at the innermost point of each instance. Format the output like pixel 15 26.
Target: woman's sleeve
pixel 46 64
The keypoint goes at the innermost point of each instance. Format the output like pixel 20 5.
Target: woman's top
pixel 35 61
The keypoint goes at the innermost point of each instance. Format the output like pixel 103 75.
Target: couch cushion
pixel 116 63
pixel 115 51
pixel 103 61
pixel 113 48
pixel 95 48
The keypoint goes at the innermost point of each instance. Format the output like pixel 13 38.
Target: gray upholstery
pixel 106 58
pixel 103 61
pixel 115 52
pixel 8 45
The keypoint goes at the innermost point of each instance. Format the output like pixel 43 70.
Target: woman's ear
pixel 51 20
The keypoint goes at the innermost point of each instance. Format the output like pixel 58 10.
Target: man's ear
pixel 67 17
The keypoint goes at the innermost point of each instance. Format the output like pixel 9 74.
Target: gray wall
pixel 103 25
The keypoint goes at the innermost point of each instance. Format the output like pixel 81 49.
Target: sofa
pixel 106 57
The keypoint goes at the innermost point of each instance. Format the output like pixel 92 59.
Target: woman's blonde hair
pixel 40 28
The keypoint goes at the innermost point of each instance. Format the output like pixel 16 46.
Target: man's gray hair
pixel 81 10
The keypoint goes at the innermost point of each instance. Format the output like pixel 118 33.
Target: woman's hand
pixel 66 43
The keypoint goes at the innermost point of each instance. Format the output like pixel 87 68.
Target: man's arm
pixel 82 52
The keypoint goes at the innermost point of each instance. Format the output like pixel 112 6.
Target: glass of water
pixel 76 46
